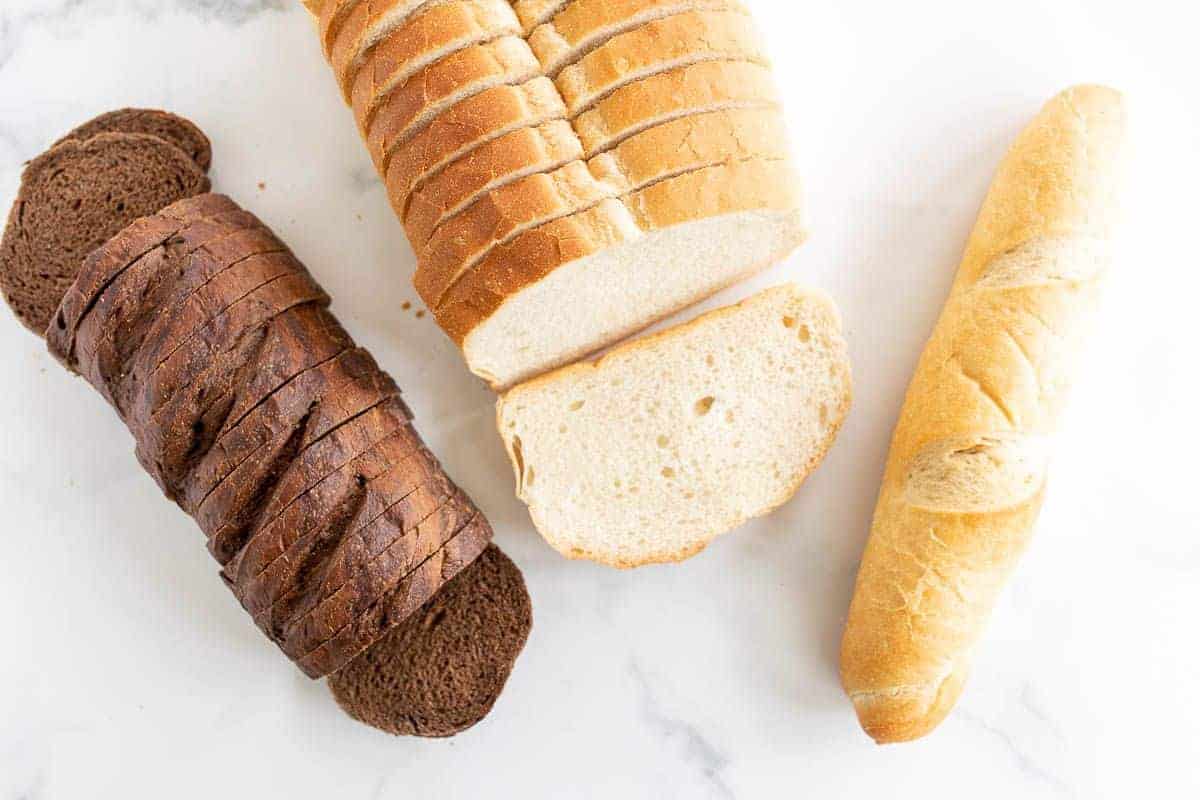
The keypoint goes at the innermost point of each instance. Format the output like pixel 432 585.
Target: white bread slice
pixel 584 25
pixel 657 47
pixel 658 154
pixel 604 274
pixel 693 89
pixel 469 124
pixel 648 454
pixel 350 29
pixel 534 12
pixel 455 78
pixel 496 164
pixel 428 36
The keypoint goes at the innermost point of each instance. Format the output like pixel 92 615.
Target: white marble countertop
pixel 127 669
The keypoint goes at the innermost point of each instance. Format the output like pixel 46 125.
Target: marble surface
pixel 127 669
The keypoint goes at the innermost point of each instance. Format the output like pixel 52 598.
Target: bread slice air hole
pixel 704 405
pixel 805 333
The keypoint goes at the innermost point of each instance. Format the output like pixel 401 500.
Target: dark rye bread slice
pixel 362 585
pixel 239 319
pixel 106 263
pixel 409 594
pixel 334 520
pixel 440 671
pixel 234 511
pixel 115 329
pixel 274 567
pixel 73 199
pixel 180 132
pixel 195 441
pixel 179 332
pixel 294 368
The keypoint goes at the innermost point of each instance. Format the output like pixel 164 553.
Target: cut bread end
pixel 603 298
pixel 648 454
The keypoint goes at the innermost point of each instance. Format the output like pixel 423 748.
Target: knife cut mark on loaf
pixel 581 27
pixel 435 33
pixel 658 47
pixel 659 155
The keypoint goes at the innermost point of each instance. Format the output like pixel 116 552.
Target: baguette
pixel 656 155
pixel 681 92
pixel 498 163
pixel 430 36
pixel 656 47
pixel 469 124
pixel 600 270
pixel 584 25
pixel 967 470
pixel 665 443
pixel 457 77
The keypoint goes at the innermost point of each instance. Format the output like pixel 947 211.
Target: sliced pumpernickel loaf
pixel 441 670
pixel 651 452
pixel 73 199
pixel 180 132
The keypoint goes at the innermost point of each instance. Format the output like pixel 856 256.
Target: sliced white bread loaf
pixel 656 47
pixel 457 77
pixel 428 36
pixel 469 124
pixel 683 91
pixel 584 25
pixel 600 275
pixel 494 165
pixel 658 154
pixel 648 454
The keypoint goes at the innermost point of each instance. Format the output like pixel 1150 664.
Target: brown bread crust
pixel 172 128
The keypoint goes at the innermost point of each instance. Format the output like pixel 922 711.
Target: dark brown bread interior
pixel 440 671
pixel 75 198
pixel 180 132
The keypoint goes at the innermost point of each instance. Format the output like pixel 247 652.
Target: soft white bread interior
pixel 648 454
pixel 611 271
pixel 967 469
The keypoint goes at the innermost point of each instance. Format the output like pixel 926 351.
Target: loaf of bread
pixel 530 149
pixel 967 470
pixel 255 412
pixel 663 444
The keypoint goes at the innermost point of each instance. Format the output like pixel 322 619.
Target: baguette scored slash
pixel 654 450
pixel 967 470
